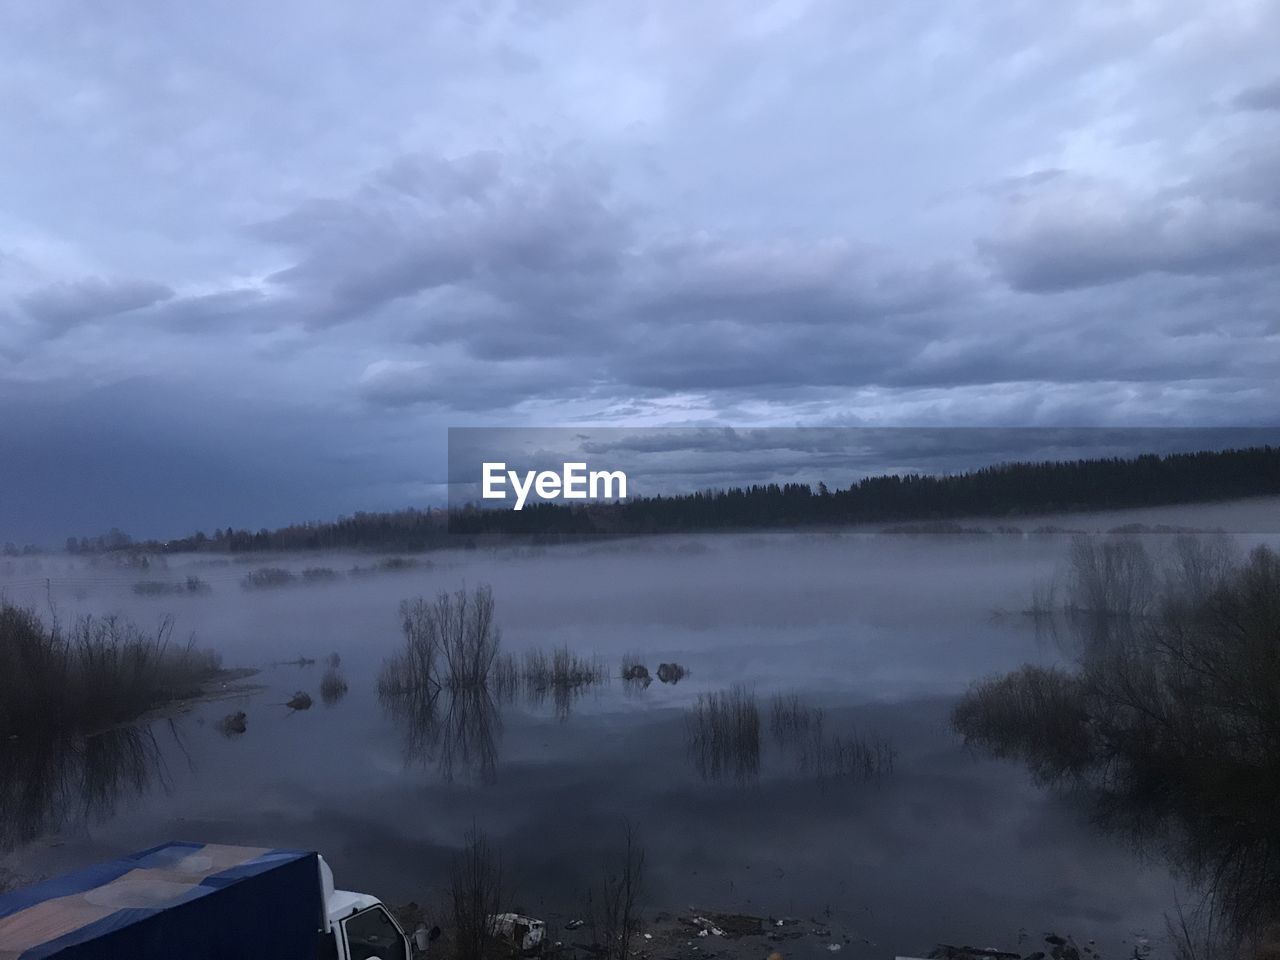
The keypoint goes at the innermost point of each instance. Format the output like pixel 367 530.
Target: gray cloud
pixel 376 224
pixel 1065 235
pixel 1264 96
pixel 515 228
pixel 60 306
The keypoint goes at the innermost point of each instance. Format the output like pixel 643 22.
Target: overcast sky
pixel 255 258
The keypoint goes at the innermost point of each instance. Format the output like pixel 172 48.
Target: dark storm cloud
pixel 60 306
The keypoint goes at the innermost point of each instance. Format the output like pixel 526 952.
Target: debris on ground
pixel 731 926
pixel 1059 948
pixel 299 701
pixel 945 951
pixel 233 723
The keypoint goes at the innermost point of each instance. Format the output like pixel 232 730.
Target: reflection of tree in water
pixel 1170 722
pixel 456 730
pixel 801 731
pixel 561 696
pixel 723 735
pixel 49 784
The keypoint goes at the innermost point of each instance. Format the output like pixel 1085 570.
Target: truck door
pixel 372 935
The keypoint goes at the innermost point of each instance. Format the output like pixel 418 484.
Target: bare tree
pixel 450 642
pixel 475 889
pixel 617 901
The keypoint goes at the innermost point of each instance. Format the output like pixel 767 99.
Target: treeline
pixel 408 531
pixel 999 491
pixel 1005 490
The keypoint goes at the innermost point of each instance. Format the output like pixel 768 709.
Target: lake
pixel 880 632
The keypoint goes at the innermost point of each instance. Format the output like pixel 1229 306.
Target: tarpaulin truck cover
pixel 179 901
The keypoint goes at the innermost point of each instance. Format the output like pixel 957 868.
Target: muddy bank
pixel 694 934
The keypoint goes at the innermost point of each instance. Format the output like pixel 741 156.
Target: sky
pixel 256 259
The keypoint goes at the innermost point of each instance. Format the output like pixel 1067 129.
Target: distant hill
pixel 1003 490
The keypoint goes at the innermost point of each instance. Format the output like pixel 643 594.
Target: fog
pixel 881 632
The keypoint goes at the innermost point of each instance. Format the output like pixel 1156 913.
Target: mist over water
pixel 881 633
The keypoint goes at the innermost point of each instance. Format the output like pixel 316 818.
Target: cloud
pixel 1085 232
pixel 1264 96
pixel 516 227
pixel 988 212
pixel 60 306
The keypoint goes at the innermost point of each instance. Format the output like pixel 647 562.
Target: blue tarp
pixel 178 900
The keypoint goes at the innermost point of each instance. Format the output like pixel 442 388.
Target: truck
pixel 200 901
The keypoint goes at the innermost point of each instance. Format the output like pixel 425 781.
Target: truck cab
pixel 360 927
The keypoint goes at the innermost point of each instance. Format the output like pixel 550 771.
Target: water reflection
pixel 723 735
pixel 800 731
pixel 52 784
pixel 1168 726
pixel 456 731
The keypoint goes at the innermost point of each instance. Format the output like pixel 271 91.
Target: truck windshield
pixel 373 934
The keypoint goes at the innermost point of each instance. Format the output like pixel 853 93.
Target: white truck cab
pixel 360 927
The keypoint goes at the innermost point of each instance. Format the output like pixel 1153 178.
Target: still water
pixel 882 633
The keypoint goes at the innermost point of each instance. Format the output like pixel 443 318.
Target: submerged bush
pixel 723 731
pixel 671 672
pixel 333 686
pixel 95 673
pixel 563 668
pixel 634 670
pixel 1171 719
pixel 789 718
pixel 160 588
pixel 267 577
pixel 801 730
pixel 449 642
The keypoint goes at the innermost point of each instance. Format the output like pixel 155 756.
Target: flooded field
pixel 836 788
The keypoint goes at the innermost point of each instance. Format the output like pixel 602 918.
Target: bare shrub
pixel 1035 713
pixel 97 672
pixel 1115 576
pixel 615 904
pixel 165 588
pixel 265 578
pixel 563 668
pixel 723 734
pixel 475 896
pixel 449 642
pixel 1168 721
pixel 561 675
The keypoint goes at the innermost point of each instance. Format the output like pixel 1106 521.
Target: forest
pixel 1006 490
